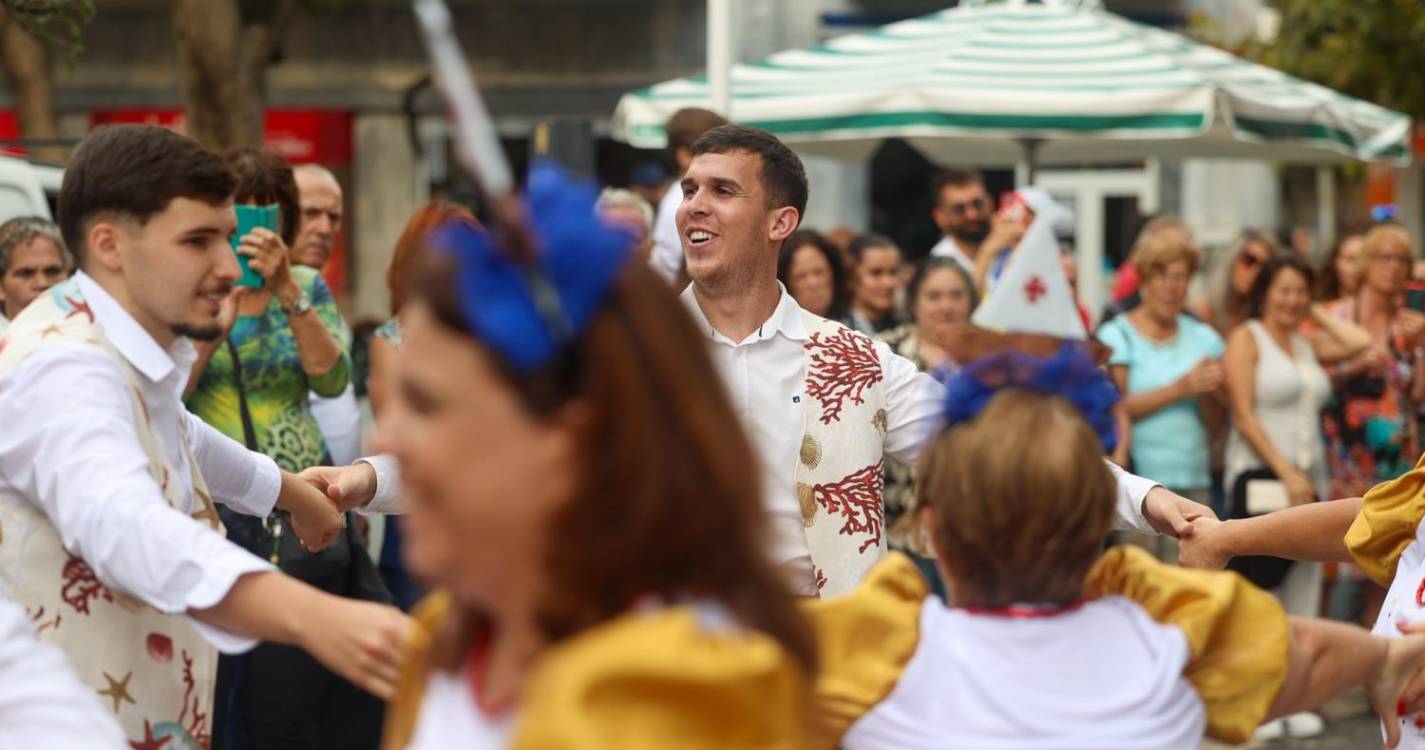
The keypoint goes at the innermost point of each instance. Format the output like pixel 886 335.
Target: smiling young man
pixel 824 405
pixel 108 535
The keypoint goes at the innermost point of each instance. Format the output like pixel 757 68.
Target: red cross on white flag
pixel 1033 295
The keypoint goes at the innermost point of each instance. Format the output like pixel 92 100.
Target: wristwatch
pixel 301 305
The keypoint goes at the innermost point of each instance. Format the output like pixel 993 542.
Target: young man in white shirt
pixel 744 193
pixel 99 455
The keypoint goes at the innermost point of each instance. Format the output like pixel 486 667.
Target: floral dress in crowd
pixel 1370 424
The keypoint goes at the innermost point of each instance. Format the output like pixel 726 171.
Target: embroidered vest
pixel 840 469
pixel 152 669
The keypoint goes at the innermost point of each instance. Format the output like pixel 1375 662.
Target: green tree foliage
pixel 1369 49
pixel 58 23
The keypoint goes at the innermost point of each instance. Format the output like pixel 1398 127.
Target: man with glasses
pixel 965 214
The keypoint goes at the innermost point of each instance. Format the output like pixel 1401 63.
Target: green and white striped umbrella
pixel 978 84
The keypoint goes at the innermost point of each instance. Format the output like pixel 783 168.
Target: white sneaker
pixel 1304 724
pixel 1272 730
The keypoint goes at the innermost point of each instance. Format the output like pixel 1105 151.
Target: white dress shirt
pixel 947 247
pixel 667 255
pixel 69 445
pixel 42 703
pixel 449 717
pixel 4 323
pixel 765 375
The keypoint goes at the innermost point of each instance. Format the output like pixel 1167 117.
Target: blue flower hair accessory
pixel 1071 373
pixel 529 311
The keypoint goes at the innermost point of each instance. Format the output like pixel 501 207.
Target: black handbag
pixel 1264 571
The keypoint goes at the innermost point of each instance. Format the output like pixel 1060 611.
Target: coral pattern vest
pixel 840 469
pixel 152 669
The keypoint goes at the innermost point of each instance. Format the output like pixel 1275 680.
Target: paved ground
pixel 1349 726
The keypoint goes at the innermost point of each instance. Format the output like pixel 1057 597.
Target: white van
pixel 28 188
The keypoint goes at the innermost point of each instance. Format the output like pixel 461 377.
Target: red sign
pixel 10 130
pixel 300 135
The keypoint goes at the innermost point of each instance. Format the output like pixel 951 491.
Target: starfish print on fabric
pixel 149 742
pixel 52 329
pixel 118 690
pixel 79 306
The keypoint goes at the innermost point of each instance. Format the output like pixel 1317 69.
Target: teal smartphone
pixel 248 219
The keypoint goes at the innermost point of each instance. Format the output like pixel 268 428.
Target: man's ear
pixel 784 221
pixel 106 245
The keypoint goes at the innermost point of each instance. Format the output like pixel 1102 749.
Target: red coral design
pixel 80 306
pixel 198 726
pixel 840 367
pixel 857 499
pixel 81 585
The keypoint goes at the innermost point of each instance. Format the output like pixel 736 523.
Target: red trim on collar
pixel 1024 611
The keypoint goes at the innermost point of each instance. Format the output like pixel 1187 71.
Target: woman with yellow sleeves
pixel 1047 642
pixel 577 489
pixel 1380 532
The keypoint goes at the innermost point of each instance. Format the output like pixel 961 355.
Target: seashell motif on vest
pixel 881 422
pixel 811 451
pixel 806 496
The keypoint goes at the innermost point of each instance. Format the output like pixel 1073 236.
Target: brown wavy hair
pixel 668 499
pixel 411 245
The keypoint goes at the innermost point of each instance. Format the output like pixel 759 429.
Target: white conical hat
pixel 1033 295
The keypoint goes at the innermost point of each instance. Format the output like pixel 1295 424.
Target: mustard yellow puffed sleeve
pixel 865 639
pixel 1390 512
pixel 1237 634
pixel 405 706
pixel 665 679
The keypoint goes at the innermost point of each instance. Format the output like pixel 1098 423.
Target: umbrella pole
pixel 720 56
pixel 1028 168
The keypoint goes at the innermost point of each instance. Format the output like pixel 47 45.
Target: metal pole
pixel 720 56
pixel 1028 168
pixel 1325 207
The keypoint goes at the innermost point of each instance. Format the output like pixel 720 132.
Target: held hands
pixel 1203 548
pixel 314 518
pixel 347 487
pixel 1172 514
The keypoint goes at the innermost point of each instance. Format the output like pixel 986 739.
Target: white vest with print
pixel 840 468
pixel 154 671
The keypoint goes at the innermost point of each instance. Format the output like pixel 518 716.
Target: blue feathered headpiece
pixel 528 312
pixel 1071 373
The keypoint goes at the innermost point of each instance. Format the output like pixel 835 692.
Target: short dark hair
pixel 135 171
pixel 782 174
pixel 689 124
pixel 862 242
pixel 954 177
pixel 1257 298
pixel 264 177
pixel 840 285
